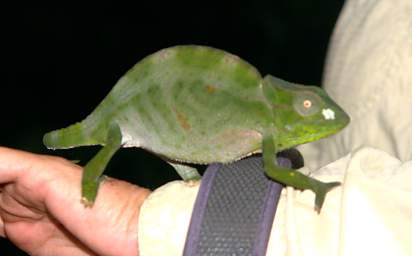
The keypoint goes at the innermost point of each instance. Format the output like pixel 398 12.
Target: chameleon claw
pixel 192 183
pixel 86 202
pixel 320 191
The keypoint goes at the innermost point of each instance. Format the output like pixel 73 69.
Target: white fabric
pixel 370 214
pixel 164 219
pixel 369 73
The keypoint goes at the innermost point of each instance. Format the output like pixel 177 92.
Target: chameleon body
pixel 196 104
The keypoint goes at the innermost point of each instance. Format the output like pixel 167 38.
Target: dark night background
pixel 60 61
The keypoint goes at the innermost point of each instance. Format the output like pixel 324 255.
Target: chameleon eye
pixel 306 104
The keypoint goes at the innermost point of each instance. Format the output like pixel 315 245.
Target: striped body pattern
pixel 175 103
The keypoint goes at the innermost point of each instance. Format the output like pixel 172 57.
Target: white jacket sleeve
pixel 368 215
pixel 368 72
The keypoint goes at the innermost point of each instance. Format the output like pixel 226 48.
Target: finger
pixel 2 232
pixel 13 162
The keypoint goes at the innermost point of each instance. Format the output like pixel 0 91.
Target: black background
pixel 58 62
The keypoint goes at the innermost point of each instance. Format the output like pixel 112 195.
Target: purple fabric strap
pixel 234 210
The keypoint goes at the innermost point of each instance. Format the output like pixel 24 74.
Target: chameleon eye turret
pixel 197 104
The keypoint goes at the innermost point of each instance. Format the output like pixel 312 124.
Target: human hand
pixel 41 213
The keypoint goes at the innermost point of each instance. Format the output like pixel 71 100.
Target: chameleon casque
pixel 200 105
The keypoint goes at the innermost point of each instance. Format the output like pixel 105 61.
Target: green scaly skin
pixel 196 104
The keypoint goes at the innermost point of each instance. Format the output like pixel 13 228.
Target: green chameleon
pixel 200 105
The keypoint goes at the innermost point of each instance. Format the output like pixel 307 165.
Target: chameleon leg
pixel 187 173
pixel 94 168
pixel 291 177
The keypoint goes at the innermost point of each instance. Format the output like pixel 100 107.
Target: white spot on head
pixel 328 114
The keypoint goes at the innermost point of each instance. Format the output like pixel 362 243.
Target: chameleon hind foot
pixel 94 168
pixel 186 172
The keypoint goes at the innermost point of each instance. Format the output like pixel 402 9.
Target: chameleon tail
pixel 72 136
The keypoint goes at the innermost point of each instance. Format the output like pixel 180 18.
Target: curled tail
pixel 72 136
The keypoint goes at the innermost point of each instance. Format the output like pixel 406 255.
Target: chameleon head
pixel 302 113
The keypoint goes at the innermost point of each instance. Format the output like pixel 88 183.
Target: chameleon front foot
pixel 320 190
pixel 298 180
pixel 292 177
